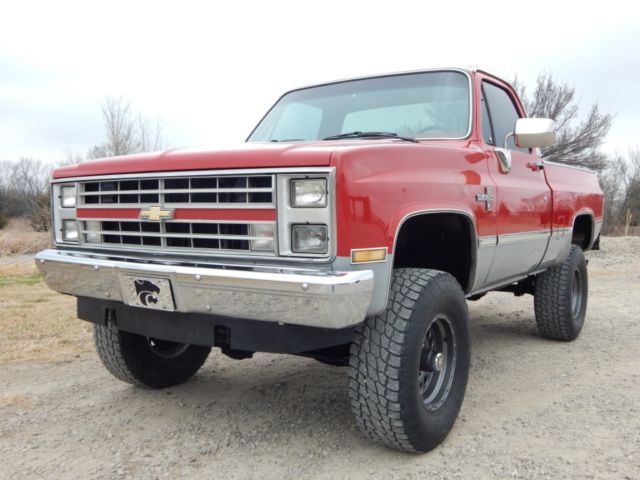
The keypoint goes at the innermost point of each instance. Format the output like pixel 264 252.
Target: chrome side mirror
pixel 535 132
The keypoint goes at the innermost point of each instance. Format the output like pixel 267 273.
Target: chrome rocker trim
pixel 313 298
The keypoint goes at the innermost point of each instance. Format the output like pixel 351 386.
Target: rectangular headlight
pixel 68 196
pixel 69 231
pixel 309 238
pixel 309 193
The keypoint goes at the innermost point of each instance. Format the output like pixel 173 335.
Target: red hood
pixel 249 155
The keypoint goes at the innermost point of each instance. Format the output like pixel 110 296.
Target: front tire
pixel 409 365
pixel 144 361
pixel 561 294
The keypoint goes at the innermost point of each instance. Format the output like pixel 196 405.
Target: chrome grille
pixel 221 190
pixel 181 236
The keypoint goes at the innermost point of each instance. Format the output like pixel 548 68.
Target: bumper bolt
pixel 107 294
pixel 305 286
pixel 198 277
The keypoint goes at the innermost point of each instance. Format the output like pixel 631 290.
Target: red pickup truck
pixel 351 227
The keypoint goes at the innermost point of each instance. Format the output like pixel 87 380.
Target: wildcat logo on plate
pixel 154 293
pixel 147 291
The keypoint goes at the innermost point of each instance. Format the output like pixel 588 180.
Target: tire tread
pixel 376 357
pixel 552 302
pixel 108 346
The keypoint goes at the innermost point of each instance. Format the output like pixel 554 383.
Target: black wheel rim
pixel 576 294
pixel 437 362
pixel 166 349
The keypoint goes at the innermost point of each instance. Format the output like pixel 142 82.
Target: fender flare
pixel 408 212
pixel 586 212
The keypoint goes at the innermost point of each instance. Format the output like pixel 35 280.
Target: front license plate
pixel 147 292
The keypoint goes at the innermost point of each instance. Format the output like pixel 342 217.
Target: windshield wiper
pixel 287 140
pixel 370 134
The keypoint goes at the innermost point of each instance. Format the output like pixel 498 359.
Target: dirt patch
pixel 534 408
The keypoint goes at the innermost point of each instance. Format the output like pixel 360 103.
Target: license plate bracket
pixel 147 292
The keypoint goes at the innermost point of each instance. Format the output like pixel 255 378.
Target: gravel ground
pixel 534 408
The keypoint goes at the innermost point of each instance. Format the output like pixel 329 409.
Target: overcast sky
pixel 211 69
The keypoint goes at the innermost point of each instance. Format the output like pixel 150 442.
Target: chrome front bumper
pixel 311 298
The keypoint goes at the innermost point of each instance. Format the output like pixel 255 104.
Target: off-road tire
pixel 132 358
pixel 384 384
pixel 556 291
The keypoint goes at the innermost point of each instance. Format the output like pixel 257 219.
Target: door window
pixel 503 115
pixel 487 133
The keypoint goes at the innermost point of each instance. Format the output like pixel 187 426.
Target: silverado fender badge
pixel 486 197
pixel 156 213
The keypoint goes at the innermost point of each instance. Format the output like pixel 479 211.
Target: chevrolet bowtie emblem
pixel 156 213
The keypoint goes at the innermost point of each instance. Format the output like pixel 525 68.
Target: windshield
pixel 421 105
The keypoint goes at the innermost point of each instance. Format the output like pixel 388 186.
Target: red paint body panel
pixel 379 185
pixel 574 192
pixel 107 213
pixel 249 214
pixel 253 214
pixel 522 196
pixel 250 155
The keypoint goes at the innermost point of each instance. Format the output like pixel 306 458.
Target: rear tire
pixel 409 365
pixel 561 294
pixel 144 361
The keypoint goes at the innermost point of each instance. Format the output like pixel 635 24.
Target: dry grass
pixel 37 324
pixel 18 238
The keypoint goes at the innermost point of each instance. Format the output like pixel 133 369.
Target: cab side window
pixel 503 115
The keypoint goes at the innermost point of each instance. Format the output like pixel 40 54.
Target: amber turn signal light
pixel 369 255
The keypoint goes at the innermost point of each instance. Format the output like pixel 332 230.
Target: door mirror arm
pixel 506 140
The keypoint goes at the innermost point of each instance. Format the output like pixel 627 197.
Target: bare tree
pixel 611 185
pixel 578 142
pixel 4 193
pixel 127 130
pixel 629 205
pixel 70 157
pixel 620 183
pixel 24 184
pixel 25 191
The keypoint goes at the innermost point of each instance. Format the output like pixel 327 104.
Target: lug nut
pixel 438 362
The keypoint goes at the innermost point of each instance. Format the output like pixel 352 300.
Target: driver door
pixel 523 198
